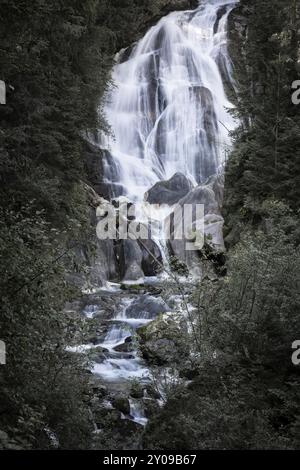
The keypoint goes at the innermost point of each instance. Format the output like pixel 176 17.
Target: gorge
pixel 177 120
pixel 170 125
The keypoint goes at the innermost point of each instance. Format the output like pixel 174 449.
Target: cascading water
pixel 168 113
pixel 168 109
pixel 137 412
pixel 122 365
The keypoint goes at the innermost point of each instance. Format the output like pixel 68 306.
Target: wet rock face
pixel 170 191
pixel 152 258
pixel 97 163
pixel 206 121
pixel 100 262
pixel 103 262
pixel 138 258
pixel 130 260
pixel 202 194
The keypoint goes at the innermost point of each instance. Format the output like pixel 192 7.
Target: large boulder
pixel 188 248
pixel 125 348
pixel 202 194
pixel 99 262
pixel 138 256
pixel 97 354
pixel 98 257
pixel 170 191
pixel 121 403
pixel 136 390
pixel 162 341
pixel 146 306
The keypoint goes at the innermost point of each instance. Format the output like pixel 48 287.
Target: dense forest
pixel 239 388
pixel 249 397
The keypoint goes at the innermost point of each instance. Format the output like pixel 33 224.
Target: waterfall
pixel 167 108
pixel 169 114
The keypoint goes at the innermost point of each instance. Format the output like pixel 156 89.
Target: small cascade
pixel 137 411
pixel 122 360
pixel 119 369
pixel 116 336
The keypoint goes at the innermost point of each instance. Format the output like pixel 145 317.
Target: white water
pixel 168 113
pixel 137 411
pixel 167 108
pixel 115 370
pixel 116 336
pixel 121 365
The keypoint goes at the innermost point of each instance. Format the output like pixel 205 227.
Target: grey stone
pixel 121 403
pixel 146 306
pixel 152 258
pixel 170 191
pixel 130 260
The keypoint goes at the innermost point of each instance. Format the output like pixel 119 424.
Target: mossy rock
pixel 121 403
pixel 136 390
pixel 97 354
pixel 126 347
pixel 133 287
pixel 162 341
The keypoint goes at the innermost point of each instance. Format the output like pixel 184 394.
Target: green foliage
pixel 178 266
pixel 246 391
pixel 265 160
pixel 42 385
pixel 55 69
pixel 48 104
pixel 55 59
